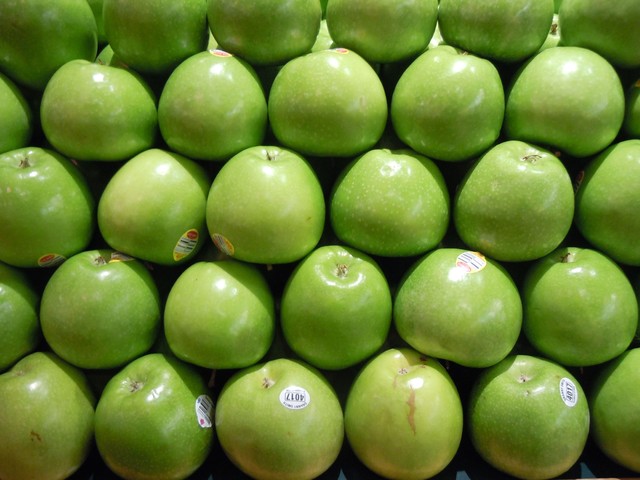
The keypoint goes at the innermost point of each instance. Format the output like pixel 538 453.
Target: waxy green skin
pixel 566 98
pixel 402 395
pixel 220 315
pixel 146 425
pixel 607 202
pixel 269 441
pixel 100 310
pixel 502 30
pixel 631 124
pixel 267 202
pixel 19 316
pixel 39 36
pixel 614 399
pixel 46 207
pixel 383 31
pixel 109 115
pixel 212 107
pixel 580 308
pixel 153 37
pixel 390 203
pixel 329 103
pixel 516 203
pixel 518 422
pixel 611 32
pixel 336 308
pixel 448 105
pixel 16 117
pixel 151 203
pixel 265 32
pixel 470 318
pixel 46 418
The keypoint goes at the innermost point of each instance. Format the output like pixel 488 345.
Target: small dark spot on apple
pixel 35 436
pixel 403 371
pixel 523 378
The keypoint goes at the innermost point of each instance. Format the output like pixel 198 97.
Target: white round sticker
pixel 294 398
pixel 204 411
pixel 568 392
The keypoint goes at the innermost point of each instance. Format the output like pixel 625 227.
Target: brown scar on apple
pixel 412 410
pixel 135 385
pixel 35 436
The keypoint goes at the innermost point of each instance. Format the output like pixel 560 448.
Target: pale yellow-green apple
pixel 328 103
pixel 47 210
pixel 382 31
pixel 500 30
pixel 528 417
pixel 100 309
pixel 19 315
pixel 515 203
pixel 580 308
pixel 212 107
pixel 569 99
pixel 403 415
pixel 46 419
pixel 608 199
pixel 265 32
pixel 460 306
pixel 220 315
pixel 390 202
pixel 266 205
pixel 335 310
pixel 39 36
pixel 153 207
pixel 280 420
pixel 154 419
pixel 154 36
pixel 96 112
pixel 448 104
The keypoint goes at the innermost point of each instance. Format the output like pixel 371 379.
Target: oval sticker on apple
pixel 204 411
pixel 471 262
pixel 186 244
pixel 294 398
pixel 50 260
pixel 568 392
pixel 223 244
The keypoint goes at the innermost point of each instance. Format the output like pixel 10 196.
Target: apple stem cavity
pixel 24 162
pixel 342 270
pixel 135 385
pixel 533 158
pixel 267 382
pixel 568 257
pixel 100 261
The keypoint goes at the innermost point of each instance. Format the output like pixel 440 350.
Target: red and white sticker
pixel 186 244
pixel 50 260
pixel 471 262
pixel 220 53
pixel 223 244
pixel 204 411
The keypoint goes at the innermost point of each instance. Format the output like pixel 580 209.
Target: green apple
pixel 580 308
pixel 16 117
pixel 501 30
pixel 528 417
pixel 96 7
pixel 212 107
pixel 565 98
pixel 154 36
pixel 220 315
pixel 383 31
pixel 610 30
pixel 448 104
pixel 335 310
pixel 323 40
pixel 608 199
pixel 515 203
pixel 47 211
pixel 100 309
pixel 19 315
pixel 39 36
pixel 403 415
pixel 631 124
pixel 614 399
pixel 153 207
pixel 328 103
pixel 46 419
pixel 99 112
pixel 280 420
pixel 265 32
pixel 154 419
pixel 266 205
pixel 390 203
pixel 460 306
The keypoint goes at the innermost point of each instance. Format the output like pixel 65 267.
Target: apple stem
pixel 24 162
pixel 568 257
